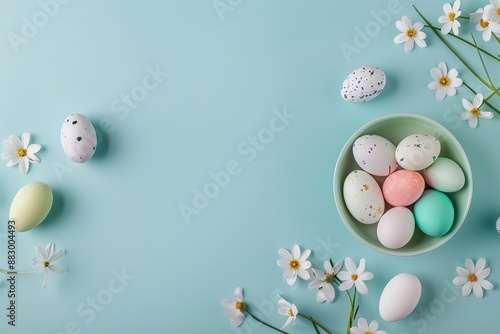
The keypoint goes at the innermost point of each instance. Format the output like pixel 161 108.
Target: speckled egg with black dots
pixel 363 84
pixel 78 138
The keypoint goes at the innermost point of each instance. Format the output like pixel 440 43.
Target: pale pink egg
pixel 403 187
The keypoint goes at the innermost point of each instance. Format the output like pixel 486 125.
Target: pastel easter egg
pixel 363 197
pixel 375 155
pixel 400 297
pixel 417 151
pixel 78 138
pixel 395 228
pixel 30 206
pixel 403 187
pixel 363 84
pixel 444 175
pixel 434 213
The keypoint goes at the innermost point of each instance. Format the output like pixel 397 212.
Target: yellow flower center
pixel 290 312
pixel 21 152
pixel 411 33
pixel 354 277
pixel 451 16
pixel 498 11
pixel 294 264
pixel 328 278
pixel 444 81
pixel 474 111
pixel 46 264
pixel 368 332
pixel 239 305
pixel 483 24
pixel 472 278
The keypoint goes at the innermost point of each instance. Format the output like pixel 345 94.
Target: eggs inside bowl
pixel 395 128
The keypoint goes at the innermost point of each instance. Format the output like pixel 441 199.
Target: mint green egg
pixel 434 213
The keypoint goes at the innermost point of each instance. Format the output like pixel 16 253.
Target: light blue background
pixel 227 73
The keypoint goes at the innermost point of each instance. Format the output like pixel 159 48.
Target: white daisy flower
pixel 294 264
pixel 411 34
pixel 487 27
pixel 354 276
pixel 473 278
pixel 445 82
pixel 323 281
pixel 492 11
pixel 288 309
pixel 19 151
pixel 44 259
pixel 449 20
pixel 472 112
pixel 235 307
pixel 364 328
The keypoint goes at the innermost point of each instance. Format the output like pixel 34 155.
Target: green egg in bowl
pixel 395 128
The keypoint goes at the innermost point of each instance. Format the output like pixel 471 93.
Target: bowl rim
pixel 339 197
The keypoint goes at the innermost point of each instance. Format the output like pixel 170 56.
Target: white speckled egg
pixel 78 138
pixel 363 197
pixel 400 297
pixel 375 155
pixel 363 84
pixel 444 175
pixel 417 151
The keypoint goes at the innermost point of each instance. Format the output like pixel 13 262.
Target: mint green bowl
pixel 394 128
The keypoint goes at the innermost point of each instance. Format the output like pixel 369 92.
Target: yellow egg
pixel 30 206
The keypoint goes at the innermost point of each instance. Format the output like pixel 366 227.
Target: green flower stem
pixel 315 323
pixel 265 323
pixel 484 66
pixel 485 101
pixel 448 45
pixel 17 272
pixel 466 42
pixel 353 312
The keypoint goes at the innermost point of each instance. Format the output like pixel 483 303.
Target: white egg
pixel 417 151
pixel 498 225
pixel 78 138
pixel 400 297
pixel 363 84
pixel 363 197
pixel 375 155
pixel 444 175
pixel 395 228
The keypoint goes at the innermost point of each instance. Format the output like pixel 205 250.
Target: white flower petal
pixel 305 254
pixel 228 303
pixel 466 289
pixel 483 273
pixel 46 279
pixel 486 114
pixel 406 21
pixel 346 285
pixel 33 148
pixel 478 290
pixel 486 284
pixel 238 294
pixel 477 102
pixel 57 269
pixel 467 105
pixel 409 45
pixel 24 165
pixel 283 263
pixel 42 254
pixel 401 38
pixel 469 265
pixel 237 320
pixel 295 251
pixel 304 274
pixel 361 287
pixel 361 267
pixel 460 280
pixel 285 254
pixel 25 139
pixel 473 122
pixel 350 265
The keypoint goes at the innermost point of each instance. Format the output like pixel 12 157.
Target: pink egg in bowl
pixel 403 187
